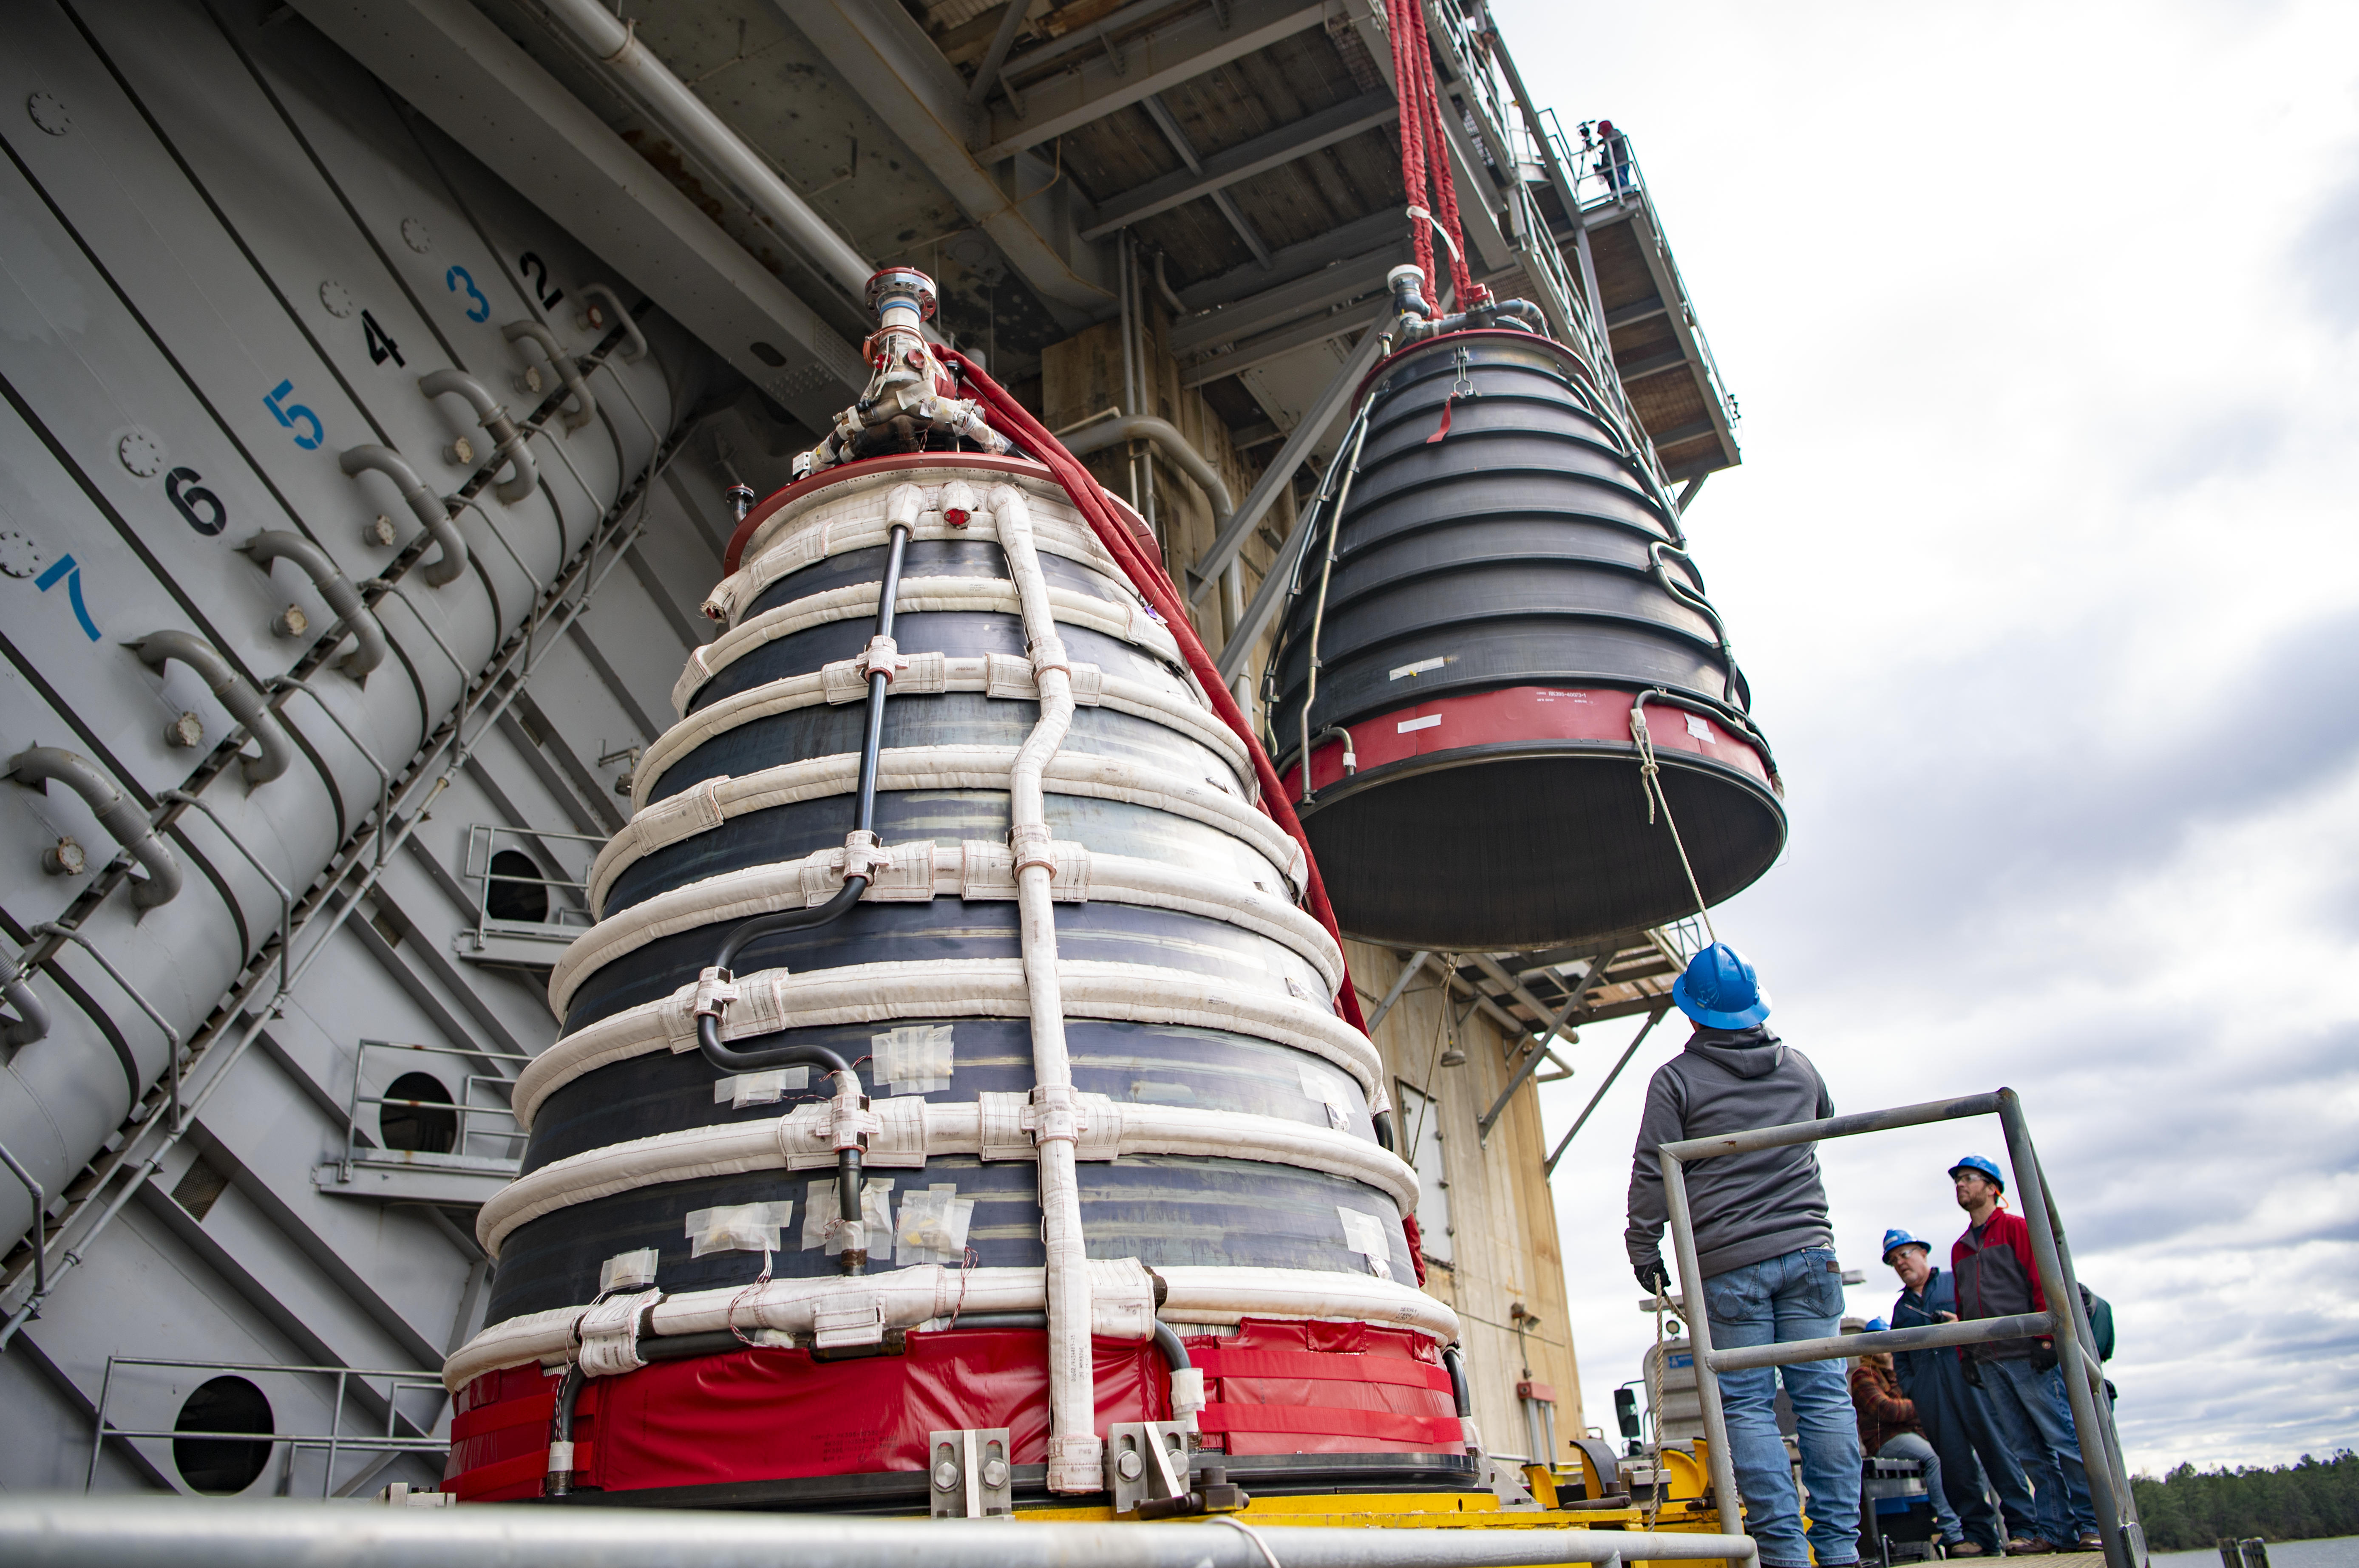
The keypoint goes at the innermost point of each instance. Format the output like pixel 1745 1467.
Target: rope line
pixel 1650 784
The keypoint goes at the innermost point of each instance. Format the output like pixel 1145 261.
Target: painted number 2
pixel 536 271
pixel 292 414
pixel 457 279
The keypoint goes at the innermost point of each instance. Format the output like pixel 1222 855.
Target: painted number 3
pixel 457 279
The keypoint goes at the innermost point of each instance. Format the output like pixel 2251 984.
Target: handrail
pixel 2066 1324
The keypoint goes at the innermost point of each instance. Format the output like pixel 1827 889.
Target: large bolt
pixel 946 1477
pixel 290 622
pixel 185 730
pixel 379 531
pixel 64 859
pixel 460 453
pixel 994 1473
pixel 1130 1467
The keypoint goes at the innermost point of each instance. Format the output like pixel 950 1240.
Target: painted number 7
pixel 291 413
pixel 457 279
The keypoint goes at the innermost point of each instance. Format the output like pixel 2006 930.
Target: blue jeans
pixel 2036 1423
pixel 1797 1296
pixel 1909 1445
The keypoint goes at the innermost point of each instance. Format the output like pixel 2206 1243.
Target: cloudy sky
pixel 2045 321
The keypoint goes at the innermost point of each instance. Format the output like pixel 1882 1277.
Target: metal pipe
pixel 1524 1069
pixel 244 703
pixel 40 1242
pixel 1279 584
pixel 383 775
pixel 101 1532
pixel 1409 972
pixel 614 45
pixel 2064 1293
pixel 171 1035
pixel 585 405
pixel 368 637
pixel 1231 538
pixel 32 1020
pixel 423 504
pixel 1453 1361
pixel 1834 1127
pixel 634 342
pixel 986 75
pixel 37 766
pixel 1927 1337
pixel 1549 1168
pixel 1166 437
pixel 1720 1461
pixel 524 475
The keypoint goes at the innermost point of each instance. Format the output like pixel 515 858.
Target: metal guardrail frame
pixel 457 1158
pixel 2076 1344
pixel 566 918
pixel 335 1440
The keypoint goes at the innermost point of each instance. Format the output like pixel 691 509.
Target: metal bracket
pixel 970 1472
pixel 1146 1461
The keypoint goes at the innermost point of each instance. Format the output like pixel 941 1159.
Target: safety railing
pixel 2068 1325
pixel 379 1388
pixel 532 886
pixel 482 1124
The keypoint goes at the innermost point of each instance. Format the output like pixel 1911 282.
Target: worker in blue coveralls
pixel 1954 1421
pixel 1765 1250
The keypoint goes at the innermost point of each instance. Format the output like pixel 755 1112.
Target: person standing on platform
pixel 1764 1248
pixel 1947 1408
pixel 2022 1387
pixel 1889 1427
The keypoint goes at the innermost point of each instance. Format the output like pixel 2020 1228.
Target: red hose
pixel 1147 574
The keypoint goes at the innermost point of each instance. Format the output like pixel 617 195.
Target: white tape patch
pixel 1429 722
pixel 1419 668
pixel 913 1058
pixel 760 1088
pixel 1324 1087
pixel 823 1212
pixel 627 1271
pixel 1698 728
pixel 933 1227
pixel 1365 1234
pixel 737 1228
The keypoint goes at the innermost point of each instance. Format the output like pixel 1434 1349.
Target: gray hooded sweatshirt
pixel 1746 1206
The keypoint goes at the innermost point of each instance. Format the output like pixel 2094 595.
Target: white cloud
pixel 2046 323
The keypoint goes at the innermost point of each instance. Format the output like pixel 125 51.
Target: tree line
pixel 2188 1509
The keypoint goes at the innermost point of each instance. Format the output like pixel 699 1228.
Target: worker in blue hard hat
pixel 2021 1385
pixel 1764 1249
pixel 1974 1459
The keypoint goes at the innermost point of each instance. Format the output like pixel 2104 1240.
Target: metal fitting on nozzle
pixel 741 500
pixel 903 287
pixel 1407 283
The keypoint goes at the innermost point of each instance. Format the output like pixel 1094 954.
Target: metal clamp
pixel 1146 1461
pixel 970 1474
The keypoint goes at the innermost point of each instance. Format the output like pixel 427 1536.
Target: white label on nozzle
pixel 625 1270
pixel 737 1228
pixel 913 1058
pixel 759 1088
pixel 1365 1234
pixel 1698 728
pixel 1428 722
pixel 823 1212
pixel 1419 668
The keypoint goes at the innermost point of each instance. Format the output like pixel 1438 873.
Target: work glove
pixel 1652 1279
pixel 1974 1370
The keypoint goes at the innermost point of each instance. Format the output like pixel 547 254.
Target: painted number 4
pixel 292 414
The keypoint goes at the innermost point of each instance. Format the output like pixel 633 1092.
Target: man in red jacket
pixel 2021 1387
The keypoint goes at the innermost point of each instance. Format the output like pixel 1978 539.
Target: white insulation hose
pixel 1076 1453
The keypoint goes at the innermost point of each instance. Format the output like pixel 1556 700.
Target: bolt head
pixel 946 1477
pixel 1130 1466
pixel 460 452
pixel 994 1473
pixel 379 531
pixel 528 379
pixel 187 730
pixel 290 622
pixel 64 859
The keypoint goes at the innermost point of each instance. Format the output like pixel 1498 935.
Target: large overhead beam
pixel 1352 278
pixel 1259 156
pixel 1166 55
pixel 461 72
pixel 885 57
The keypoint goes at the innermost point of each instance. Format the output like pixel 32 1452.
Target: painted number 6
pixel 457 279
pixel 195 497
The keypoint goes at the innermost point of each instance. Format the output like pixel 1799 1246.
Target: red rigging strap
pixel 1147 576
pixel 1425 155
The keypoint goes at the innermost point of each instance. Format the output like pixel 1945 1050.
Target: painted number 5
pixel 457 279
pixel 290 414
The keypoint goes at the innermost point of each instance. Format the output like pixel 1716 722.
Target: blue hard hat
pixel 1983 1165
pixel 1877 1325
pixel 1719 991
pixel 1896 1239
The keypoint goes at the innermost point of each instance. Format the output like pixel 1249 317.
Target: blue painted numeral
pixel 289 415
pixel 71 573
pixel 457 278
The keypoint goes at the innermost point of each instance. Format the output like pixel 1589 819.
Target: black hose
pixel 1167 1341
pixel 1384 1120
pixel 707 1028
pixel 561 1430
pixel 1454 1361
